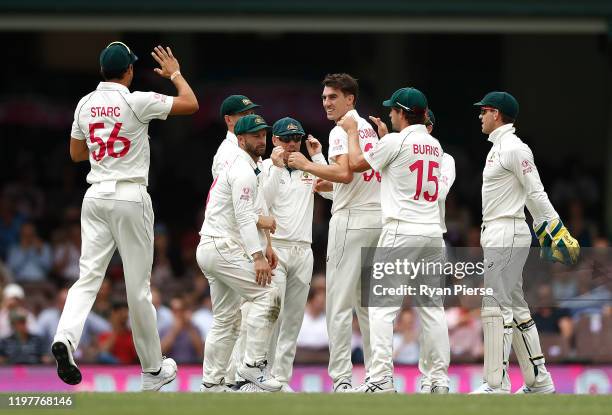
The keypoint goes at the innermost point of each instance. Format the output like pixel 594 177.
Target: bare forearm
pixel 333 172
pixel 357 162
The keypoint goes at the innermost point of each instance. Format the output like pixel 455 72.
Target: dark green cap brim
pixel 255 129
pixel 248 107
pixel 387 103
pixel 479 104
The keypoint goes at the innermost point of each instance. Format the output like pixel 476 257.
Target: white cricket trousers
pixel 231 274
pixel 121 219
pixel 434 330
pixel 349 231
pixel 292 276
pixel 505 244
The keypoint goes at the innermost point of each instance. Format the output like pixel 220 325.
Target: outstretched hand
pixel 382 127
pixel 167 62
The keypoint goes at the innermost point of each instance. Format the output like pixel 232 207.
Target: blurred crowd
pixel 40 240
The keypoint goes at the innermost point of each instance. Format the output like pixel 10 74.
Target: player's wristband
pixel 174 75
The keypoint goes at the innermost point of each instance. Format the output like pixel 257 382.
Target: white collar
pixel 353 113
pixel 248 158
pixel 500 131
pixel 112 86
pixel 415 127
pixel 231 137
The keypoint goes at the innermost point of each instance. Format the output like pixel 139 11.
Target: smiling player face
pixel 336 103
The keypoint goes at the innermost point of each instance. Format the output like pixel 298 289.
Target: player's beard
pixel 255 150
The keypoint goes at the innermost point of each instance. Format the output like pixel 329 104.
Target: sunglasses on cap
pixel 289 138
pixel 484 110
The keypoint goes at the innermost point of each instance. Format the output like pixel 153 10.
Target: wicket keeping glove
pixel 557 243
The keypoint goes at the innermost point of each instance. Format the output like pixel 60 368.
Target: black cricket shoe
pixel 67 370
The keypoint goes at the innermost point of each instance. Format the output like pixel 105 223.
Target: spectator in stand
pixel 552 319
pixel 584 229
pixel 117 345
pixel 162 268
pixel 12 299
pixel 103 304
pixel 165 320
pixel 68 253
pixel 30 260
pixel 313 339
pixel 465 333
pixel 10 224
pixel 406 338
pixel 202 318
pixel 182 341
pixel 22 347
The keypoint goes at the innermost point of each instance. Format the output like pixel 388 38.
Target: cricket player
pixel 409 162
pixel 110 130
pixel 290 200
pixel 511 182
pixel 231 255
pixel 232 109
pixel 355 223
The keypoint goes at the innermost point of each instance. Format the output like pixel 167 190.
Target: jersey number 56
pixel 108 147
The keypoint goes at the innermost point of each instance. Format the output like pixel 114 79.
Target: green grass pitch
pixel 320 404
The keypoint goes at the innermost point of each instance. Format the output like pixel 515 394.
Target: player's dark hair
pixel 506 119
pixel 109 75
pixel 344 82
pixel 414 117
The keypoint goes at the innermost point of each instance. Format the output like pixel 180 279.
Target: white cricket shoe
pixel 425 388
pixel 548 389
pixel 214 388
pixel 167 374
pixel 258 375
pixel 67 370
pixel 249 387
pixel 287 389
pixel 486 389
pixel 381 386
pixel 343 386
pixel 439 390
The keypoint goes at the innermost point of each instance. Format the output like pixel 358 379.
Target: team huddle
pixel 388 189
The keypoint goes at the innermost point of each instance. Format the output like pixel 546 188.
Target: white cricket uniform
pixel 229 239
pixel 409 162
pixel 511 182
pixel 225 154
pixel 355 223
pixel 117 210
pixel 290 201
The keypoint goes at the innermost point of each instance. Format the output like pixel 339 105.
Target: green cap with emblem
pixel 235 104
pixel 287 126
pixel 250 124
pixel 117 56
pixel 409 99
pixel 502 101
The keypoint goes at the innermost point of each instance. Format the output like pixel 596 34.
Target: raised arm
pixel 186 102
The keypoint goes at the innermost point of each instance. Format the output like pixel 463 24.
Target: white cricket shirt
pixel 510 181
pixel 225 154
pixel 363 192
pixel 115 124
pixel 290 200
pixel 409 162
pixel 231 206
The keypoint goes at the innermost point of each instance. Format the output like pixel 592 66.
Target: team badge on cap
pixel 246 101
